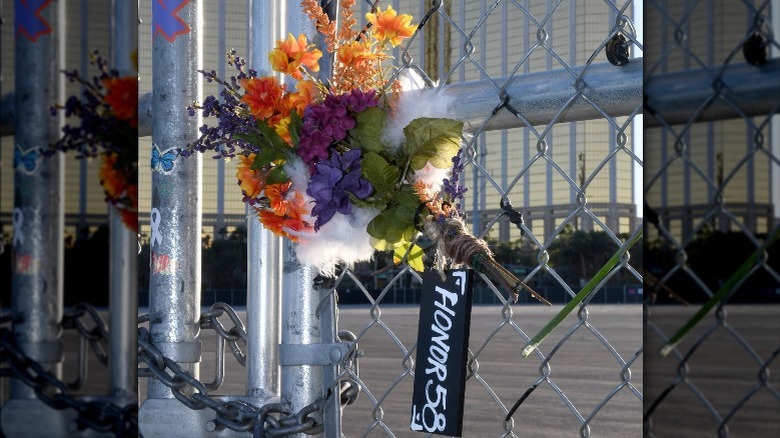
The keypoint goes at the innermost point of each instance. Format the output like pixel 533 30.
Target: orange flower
pixel 290 55
pixel 356 54
pixel 306 93
pixel 285 214
pixel 132 194
pixel 277 193
pixel 130 218
pixel 110 178
pixel 251 181
pixel 122 97
pixel 387 26
pixel 263 96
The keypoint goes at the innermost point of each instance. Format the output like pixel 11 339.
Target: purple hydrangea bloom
pixel 357 100
pixel 328 122
pixel 336 178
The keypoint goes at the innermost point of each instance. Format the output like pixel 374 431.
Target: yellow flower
pixel 388 26
pixel 283 129
pixel 291 55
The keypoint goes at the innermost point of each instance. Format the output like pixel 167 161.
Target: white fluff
pixel 431 176
pixel 298 172
pixel 428 102
pixel 342 240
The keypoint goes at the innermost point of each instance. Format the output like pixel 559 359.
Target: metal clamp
pixel 312 354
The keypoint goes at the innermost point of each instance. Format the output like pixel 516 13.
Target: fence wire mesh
pixel 711 198
pixel 590 378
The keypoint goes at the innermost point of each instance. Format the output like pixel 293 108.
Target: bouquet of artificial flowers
pixel 351 165
pixel 108 114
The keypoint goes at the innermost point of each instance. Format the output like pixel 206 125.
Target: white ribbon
pixel 18 219
pixel 156 236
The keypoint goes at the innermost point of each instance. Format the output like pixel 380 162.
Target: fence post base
pixel 169 418
pixel 33 418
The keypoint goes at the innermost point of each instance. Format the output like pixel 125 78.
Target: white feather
pixel 342 240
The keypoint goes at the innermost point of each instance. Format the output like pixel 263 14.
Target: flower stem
pixel 580 297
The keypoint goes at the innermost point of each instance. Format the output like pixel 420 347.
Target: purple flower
pixel 328 122
pixel 452 187
pixel 336 178
pixel 358 101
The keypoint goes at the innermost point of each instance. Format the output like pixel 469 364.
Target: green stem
pixel 727 287
pixel 589 287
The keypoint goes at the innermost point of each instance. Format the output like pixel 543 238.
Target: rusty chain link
pixel 99 415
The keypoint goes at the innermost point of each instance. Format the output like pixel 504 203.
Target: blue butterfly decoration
pixel 163 162
pixel 26 162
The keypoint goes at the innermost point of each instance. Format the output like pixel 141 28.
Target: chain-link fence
pixel 711 191
pixel 565 177
pixel 549 93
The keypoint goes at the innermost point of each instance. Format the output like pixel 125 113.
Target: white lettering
pixel 438 420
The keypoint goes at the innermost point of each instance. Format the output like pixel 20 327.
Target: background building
pixel 712 152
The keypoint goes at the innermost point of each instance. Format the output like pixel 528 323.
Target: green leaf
pixel 271 136
pixel 385 229
pixel 277 175
pixel 295 127
pixel 395 224
pixel 249 138
pixel 266 156
pixel 432 140
pixel 367 132
pixel 589 287
pixel 382 175
pixel 414 258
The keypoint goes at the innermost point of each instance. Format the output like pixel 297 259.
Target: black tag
pixel 442 351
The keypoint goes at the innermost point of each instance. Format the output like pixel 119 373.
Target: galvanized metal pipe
pixel 678 96
pixel 174 289
pixel 301 383
pixel 539 96
pixel 264 249
pixel 36 277
pixel 123 278
pixel 37 297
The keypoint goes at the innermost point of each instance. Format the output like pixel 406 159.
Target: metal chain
pixel 236 415
pixel 97 336
pixel 100 415
pixel 239 416
pixel 209 320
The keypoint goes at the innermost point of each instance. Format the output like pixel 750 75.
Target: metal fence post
pixel 123 291
pixel 174 289
pixel 264 249
pixel 301 383
pixel 37 273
